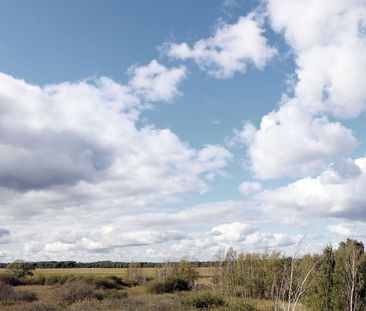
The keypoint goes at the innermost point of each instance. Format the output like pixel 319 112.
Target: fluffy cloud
pixel 290 142
pixel 85 132
pixel 235 231
pixel 105 239
pixel 243 237
pixel 229 50
pixel 329 46
pixel 340 229
pixel 329 41
pixel 337 192
pixel 74 152
pixel 156 82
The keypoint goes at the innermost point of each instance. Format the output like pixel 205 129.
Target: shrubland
pixel 334 280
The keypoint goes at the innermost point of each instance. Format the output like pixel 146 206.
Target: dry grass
pixel 138 298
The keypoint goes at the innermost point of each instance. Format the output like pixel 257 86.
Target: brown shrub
pixel 70 293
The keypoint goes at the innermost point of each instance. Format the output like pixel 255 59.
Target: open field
pixel 97 289
pixel 204 272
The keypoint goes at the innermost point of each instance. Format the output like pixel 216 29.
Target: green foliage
pixel 20 269
pixel 110 294
pixel 319 294
pixel 349 277
pixel 204 300
pixel 170 285
pixel 248 275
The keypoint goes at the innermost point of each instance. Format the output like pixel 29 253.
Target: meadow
pixel 333 281
pixel 82 289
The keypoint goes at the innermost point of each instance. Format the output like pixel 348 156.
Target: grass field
pixel 135 298
pixel 121 272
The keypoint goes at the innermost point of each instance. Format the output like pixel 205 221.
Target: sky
pixel 152 130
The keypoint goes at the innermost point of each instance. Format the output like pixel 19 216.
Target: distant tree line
pixel 100 264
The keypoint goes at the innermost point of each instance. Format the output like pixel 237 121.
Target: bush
pixel 204 300
pixel 70 293
pixel 38 279
pixel 169 286
pixel 25 295
pixel 118 280
pixel 243 306
pixel 58 279
pixel 6 292
pixel 20 269
pixel 110 294
pixel 11 280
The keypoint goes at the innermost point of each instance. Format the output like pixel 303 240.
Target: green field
pixel 121 272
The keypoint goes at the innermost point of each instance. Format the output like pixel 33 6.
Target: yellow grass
pixel 150 272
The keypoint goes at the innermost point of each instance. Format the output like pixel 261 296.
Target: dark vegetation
pixel 332 281
pixel 100 264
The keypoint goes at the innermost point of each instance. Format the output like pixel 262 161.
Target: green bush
pixel 38 279
pixel 110 294
pixel 204 300
pixel 58 279
pixel 169 286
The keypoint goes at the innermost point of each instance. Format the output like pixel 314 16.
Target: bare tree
pixel 294 282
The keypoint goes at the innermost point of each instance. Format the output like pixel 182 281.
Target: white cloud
pixel 156 82
pixel 56 247
pixel 293 143
pixel 235 231
pixel 229 50
pixel 82 134
pixel 337 192
pixel 242 237
pixel 74 152
pixel 250 187
pixel 340 229
pixel 328 42
pixel 264 240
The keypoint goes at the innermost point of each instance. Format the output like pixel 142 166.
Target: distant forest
pixel 102 264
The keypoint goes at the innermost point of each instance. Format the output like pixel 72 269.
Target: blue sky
pixel 144 130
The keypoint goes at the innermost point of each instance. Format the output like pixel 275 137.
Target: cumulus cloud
pixel 75 152
pixel 156 82
pixel 290 142
pixel 86 131
pixel 105 239
pixel 329 47
pixel 329 43
pixel 334 193
pixel 229 50
pixel 235 231
pixel 241 236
